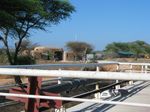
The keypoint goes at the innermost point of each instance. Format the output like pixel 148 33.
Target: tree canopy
pixel 18 17
pixel 138 47
pixel 80 49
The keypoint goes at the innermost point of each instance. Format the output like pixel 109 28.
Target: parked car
pixel 109 93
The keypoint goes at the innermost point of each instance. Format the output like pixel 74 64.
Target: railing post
pixel 62 109
pixel 131 70
pixel 97 95
pixel 117 67
pixel 146 68
pixel 60 78
pixel 142 69
pixel 118 86
pixel 97 69
pixel 34 86
pixel 64 56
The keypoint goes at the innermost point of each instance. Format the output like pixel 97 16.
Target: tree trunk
pixel 12 59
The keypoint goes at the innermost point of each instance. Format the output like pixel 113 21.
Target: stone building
pixel 47 53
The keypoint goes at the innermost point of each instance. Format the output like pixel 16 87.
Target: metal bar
pixel 34 86
pixel 77 74
pixel 70 85
pixel 100 90
pixel 124 63
pixel 75 99
pixel 45 66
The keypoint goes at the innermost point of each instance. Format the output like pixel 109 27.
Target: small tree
pixel 80 49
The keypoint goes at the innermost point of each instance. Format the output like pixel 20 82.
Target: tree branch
pixel 5 42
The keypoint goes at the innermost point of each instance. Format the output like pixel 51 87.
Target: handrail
pixel 33 70
pixel 74 99
pixel 46 66
pixel 125 63
pixel 76 74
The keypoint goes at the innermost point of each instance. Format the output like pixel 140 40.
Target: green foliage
pixel 117 46
pixel 80 49
pixel 11 11
pixel 3 59
pixel 18 17
pixel 138 47
pixel 25 60
pixel 50 56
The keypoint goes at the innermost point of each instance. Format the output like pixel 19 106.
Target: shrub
pixel 3 59
pixel 25 60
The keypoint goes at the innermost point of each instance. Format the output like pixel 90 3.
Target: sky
pixel 100 22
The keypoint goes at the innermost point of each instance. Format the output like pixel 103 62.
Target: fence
pixel 37 70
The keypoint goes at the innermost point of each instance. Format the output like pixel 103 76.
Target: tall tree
pixel 18 17
pixel 80 49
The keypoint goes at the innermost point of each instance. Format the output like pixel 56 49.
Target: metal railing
pixel 22 71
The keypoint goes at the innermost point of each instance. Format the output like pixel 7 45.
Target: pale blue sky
pixel 100 22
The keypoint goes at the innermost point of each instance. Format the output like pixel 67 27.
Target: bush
pixel 25 60
pixel 3 59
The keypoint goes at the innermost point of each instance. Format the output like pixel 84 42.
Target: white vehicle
pixel 109 93
pixel 106 94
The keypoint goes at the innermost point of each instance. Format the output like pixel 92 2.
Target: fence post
pixel 97 69
pixel 64 56
pixel 118 86
pixel 97 95
pixel 62 109
pixel 60 78
pixel 146 68
pixel 117 67
pixel 131 70
pixel 34 86
pixel 142 69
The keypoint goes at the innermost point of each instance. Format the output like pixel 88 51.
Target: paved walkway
pixel 140 93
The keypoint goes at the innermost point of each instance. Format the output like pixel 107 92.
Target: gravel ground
pixel 13 108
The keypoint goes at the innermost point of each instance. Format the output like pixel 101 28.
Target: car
pixel 106 94
pixel 109 93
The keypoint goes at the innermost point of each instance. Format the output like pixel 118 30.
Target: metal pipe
pixel 74 99
pixel 100 90
pixel 46 66
pixel 69 85
pixel 124 63
pixel 77 74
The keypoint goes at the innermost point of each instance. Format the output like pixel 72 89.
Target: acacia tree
pixel 80 49
pixel 137 47
pixel 18 17
pixel 117 46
